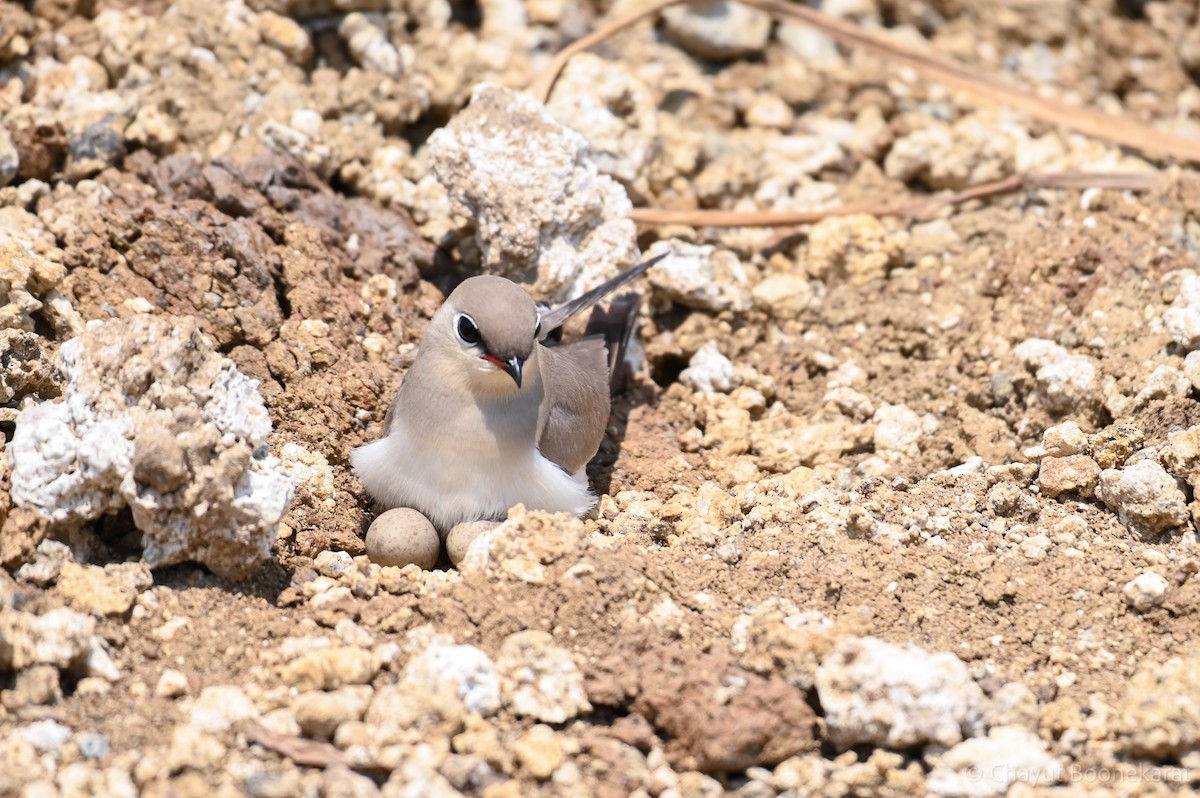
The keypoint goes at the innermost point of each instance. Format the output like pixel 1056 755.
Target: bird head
pixel 489 328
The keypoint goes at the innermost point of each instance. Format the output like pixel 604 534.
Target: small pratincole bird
pixel 490 414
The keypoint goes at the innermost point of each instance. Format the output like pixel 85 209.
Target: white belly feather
pixel 451 487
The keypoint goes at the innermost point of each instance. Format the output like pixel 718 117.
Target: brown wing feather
pixel 575 411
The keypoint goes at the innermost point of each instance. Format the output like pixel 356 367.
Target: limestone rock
pixel 540 679
pixel 879 694
pixel 1182 319
pixel 1144 497
pixel 1145 591
pixel 1066 382
pixel 542 211
pixel 987 766
pixel 1160 710
pixel 617 114
pixel 110 590
pixel 154 419
pixel 700 276
pixel 720 30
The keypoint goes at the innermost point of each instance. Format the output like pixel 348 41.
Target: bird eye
pixel 467 330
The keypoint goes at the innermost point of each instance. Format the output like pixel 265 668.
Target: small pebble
pixel 403 536
pixel 462 536
pixel 93 745
pixel 1145 591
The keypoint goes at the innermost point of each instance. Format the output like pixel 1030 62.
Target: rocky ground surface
pixel 894 507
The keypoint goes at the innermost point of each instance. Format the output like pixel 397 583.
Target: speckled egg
pixel 402 536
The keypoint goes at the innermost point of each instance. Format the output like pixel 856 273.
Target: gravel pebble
pixel 1145 591
pixel 1144 497
pixel 1066 382
pixel 1076 473
pixel 219 707
pixel 45 735
pixel 988 766
pixel 1159 713
pixel 540 679
pixel 1182 319
pixel 709 371
pixel 900 697
pixel 720 30
pixel 172 684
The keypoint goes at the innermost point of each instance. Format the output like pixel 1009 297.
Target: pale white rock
pixel 1182 319
pixel 1191 368
pixel 850 403
pixel 1145 591
pixel 219 707
pixel 540 680
pixel 61 637
pixel 792 161
pixel 983 767
pixel 334 564
pixel 899 429
pixel 1064 440
pixel 615 112
pixel 784 296
pixel 700 276
pixel 1145 497
pixel 809 45
pixel 709 371
pixel 542 211
pixel 155 420
pixel 972 465
pixel 369 46
pixel 976 148
pixel 1066 382
pixel 10 158
pixel 99 662
pixel 899 697
pixel 30 269
pixel 304 146
pixel 847 375
pixel 1163 383
pixel 44 735
pixel 769 111
pixel 720 30
pixel 1013 704
pixel 47 563
pixel 171 684
pixel 309 470
pixel 465 669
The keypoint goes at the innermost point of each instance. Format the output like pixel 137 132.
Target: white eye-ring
pixel 467 329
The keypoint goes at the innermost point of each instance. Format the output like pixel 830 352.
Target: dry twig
pixel 932 66
pixel 927 64
pixel 988 87
pixel 309 753
pixel 917 209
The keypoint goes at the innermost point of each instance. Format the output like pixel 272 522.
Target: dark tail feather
pixel 557 317
pixel 616 325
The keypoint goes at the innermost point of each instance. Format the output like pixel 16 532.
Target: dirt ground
pixel 873 465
